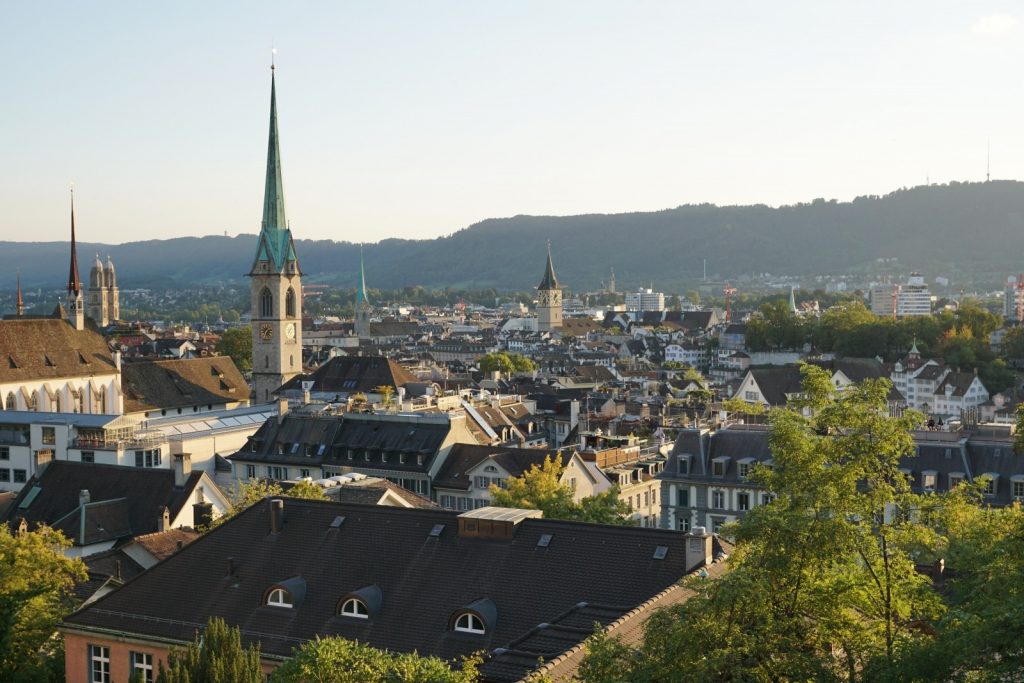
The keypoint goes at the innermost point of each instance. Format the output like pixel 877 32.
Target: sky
pixel 417 119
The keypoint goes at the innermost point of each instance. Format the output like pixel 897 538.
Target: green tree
pixel 337 660
pixel 506 363
pixel 237 343
pixel 386 391
pixel 248 493
pixel 36 591
pixel 822 579
pixel 1013 344
pixel 215 656
pixel 540 488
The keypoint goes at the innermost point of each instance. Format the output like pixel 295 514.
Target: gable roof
pixel 161 384
pixel 609 568
pixel 349 374
pixel 776 383
pixel 33 349
pixel 124 501
pixel 463 457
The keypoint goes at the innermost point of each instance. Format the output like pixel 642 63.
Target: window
pixel 743 501
pixel 99 664
pixel 990 485
pixel 5 453
pixel 467 622
pixel 767 498
pixel 303 474
pixel 250 471
pixel 929 480
pixel 279 597
pixel 150 458
pixel 266 304
pixel 684 497
pixel 289 303
pixel 5 474
pixel 750 396
pixel 274 472
pixel 12 403
pixel 448 502
pixel 684 523
pixel 355 608
pixel 480 482
pixel 1018 489
pixel 49 436
pixel 88 456
pixel 718 500
pixel 20 476
pixel 955 479
pixel 465 504
pixel 718 467
pixel 647 498
pixel 141 663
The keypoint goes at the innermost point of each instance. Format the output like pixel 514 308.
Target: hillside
pixel 973 231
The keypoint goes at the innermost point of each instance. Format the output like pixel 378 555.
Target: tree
pixel 215 656
pixel 36 591
pixel 506 363
pixel 248 493
pixel 237 343
pixel 337 660
pixel 822 580
pixel 540 488
pixel 386 391
pixel 1013 344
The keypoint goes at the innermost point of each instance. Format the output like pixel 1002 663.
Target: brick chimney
pixel 282 409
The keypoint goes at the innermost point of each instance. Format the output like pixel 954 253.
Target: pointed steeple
pixel 20 302
pixel 361 298
pixel 74 284
pixel 273 196
pixel 549 281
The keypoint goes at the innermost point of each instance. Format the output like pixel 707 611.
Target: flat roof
pixel 30 417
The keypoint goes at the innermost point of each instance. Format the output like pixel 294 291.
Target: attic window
pixel 355 608
pixel 81 359
pixel 467 622
pixel 11 363
pixel 435 532
pixel 215 372
pixel 279 597
pixel 47 361
pixel 660 552
pixel 544 541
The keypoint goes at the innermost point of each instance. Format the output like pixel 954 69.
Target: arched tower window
pixel 266 303
pixel 12 403
pixel 34 401
pixel 289 303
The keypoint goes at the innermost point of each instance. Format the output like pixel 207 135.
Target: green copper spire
pixel 275 243
pixel 361 298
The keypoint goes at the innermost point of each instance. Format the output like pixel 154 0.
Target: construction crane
pixel 729 291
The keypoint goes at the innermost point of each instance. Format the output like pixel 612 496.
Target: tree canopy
pixel 236 342
pixel 215 656
pixel 506 363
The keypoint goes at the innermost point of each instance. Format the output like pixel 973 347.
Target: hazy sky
pixel 416 119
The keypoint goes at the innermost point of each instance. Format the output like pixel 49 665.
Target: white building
pixel 914 298
pixel 645 300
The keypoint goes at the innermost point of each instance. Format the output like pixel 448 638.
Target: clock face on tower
pixel 266 331
pixel 542 298
pixel 289 331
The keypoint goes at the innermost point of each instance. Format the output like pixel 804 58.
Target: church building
pixel 275 283
pixel 103 303
pixel 549 300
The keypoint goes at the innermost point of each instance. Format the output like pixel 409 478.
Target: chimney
pixel 698 549
pixel 117 359
pixel 282 409
pixel 182 469
pixel 276 515
pixel 163 523
pixel 84 497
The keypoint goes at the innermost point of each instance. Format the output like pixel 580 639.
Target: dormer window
pixel 355 608
pixel 468 622
pixel 279 597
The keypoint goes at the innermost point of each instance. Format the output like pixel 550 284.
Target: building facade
pixel 645 300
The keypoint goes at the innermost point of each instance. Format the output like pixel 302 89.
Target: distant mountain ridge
pixel 952 230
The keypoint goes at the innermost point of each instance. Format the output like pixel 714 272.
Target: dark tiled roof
pixel 424 580
pixel 776 383
pixel 348 374
pixel 959 381
pixel 463 457
pixel 154 385
pixel 125 501
pixel 48 348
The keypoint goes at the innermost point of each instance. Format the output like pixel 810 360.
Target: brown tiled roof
pixel 154 385
pixel 162 544
pixel 47 348
pixel 423 579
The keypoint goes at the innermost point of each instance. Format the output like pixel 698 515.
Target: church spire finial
pixel 74 284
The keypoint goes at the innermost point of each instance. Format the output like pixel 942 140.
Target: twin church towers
pixel 276 285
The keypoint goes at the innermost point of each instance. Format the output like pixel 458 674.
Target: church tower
pixel 275 282
pixel 20 304
pixel 76 303
pixel 113 293
pixel 549 299
pixel 96 306
pixel 363 307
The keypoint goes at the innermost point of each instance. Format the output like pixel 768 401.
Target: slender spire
pixel 792 299
pixel 74 284
pixel 273 197
pixel 549 281
pixel 361 298
pixel 21 302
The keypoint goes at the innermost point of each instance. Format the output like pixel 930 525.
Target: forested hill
pixel 951 230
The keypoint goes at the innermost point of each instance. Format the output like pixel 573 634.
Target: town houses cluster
pixel 132 438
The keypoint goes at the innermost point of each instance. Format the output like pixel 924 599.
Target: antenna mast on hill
pixel 988 160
